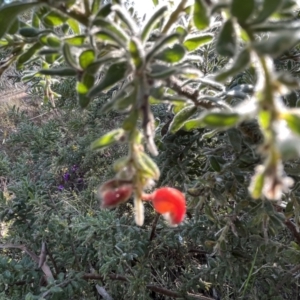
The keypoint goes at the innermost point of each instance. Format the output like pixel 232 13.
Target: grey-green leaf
pixel 9 12
pixel 278 43
pixel 172 54
pixel 155 18
pixel 181 117
pixel 115 73
pixel 197 41
pixel 58 72
pixel 108 139
pixel 242 10
pixel 240 63
pixel 268 8
pixel 226 42
pixel 201 15
pixel 220 119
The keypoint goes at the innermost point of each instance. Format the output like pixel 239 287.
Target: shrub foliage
pixel 201 96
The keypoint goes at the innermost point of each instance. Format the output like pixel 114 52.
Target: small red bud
pixel 171 203
pixel 114 192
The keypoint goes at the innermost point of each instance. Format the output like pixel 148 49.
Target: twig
pixel 293 230
pixel 43 255
pixel 192 94
pixel 101 290
pixel 152 235
pixel 45 268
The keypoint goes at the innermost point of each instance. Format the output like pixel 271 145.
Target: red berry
pixel 114 192
pixel 171 202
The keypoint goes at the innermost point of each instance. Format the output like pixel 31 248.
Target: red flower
pixel 114 192
pixel 169 202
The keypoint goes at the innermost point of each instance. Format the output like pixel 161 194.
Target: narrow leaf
pixel 69 58
pixel 226 42
pixel 108 139
pixel 195 42
pixel 137 53
pixel 278 43
pixel 58 72
pixel 54 18
pixel 114 74
pixel 268 8
pixel 172 54
pixel 220 119
pixel 86 58
pixel 239 65
pixel 104 11
pixel 201 15
pixel 242 10
pixel 9 13
pixel 161 44
pixel 152 22
pixel 181 117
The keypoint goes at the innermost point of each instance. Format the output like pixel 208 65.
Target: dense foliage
pixel 202 97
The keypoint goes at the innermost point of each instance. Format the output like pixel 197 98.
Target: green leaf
pixel 278 43
pixel 29 32
pixel 114 74
pixel 172 54
pixel 257 184
pixel 123 14
pixel 58 72
pixel 86 58
pixel 268 8
pixel 35 22
pixel 155 2
pixel 195 42
pixel 110 28
pixel 161 44
pixel 136 51
pixel 77 40
pixel 53 41
pixel 29 53
pixel 242 10
pixel 110 57
pixel 108 139
pixel 54 18
pixel 74 25
pixel 13 29
pixel 239 65
pixel 147 166
pixel 9 13
pixel 193 124
pixel 69 58
pixel 108 36
pixel 293 121
pixel 95 6
pixel 226 42
pixel 130 122
pixel 201 15
pixel 83 87
pixel 104 11
pixel 152 22
pixel 235 139
pixel 163 72
pixel 220 119
pixel 182 117
pixel 214 164
pixel 87 81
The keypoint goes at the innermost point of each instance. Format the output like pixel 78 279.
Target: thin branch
pixel 101 291
pixel 90 276
pixel 45 268
pixel 152 235
pixel 192 94
pixel 293 230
